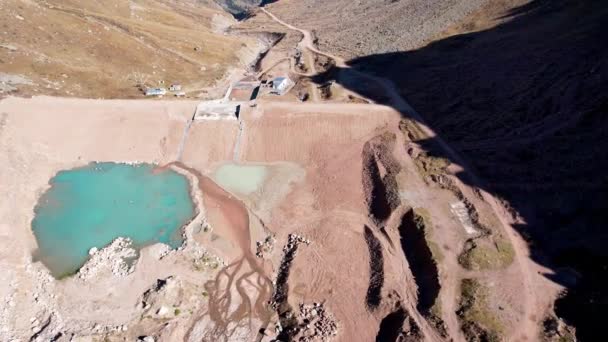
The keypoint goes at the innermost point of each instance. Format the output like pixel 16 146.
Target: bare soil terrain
pixel 517 90
pixel 335 207
pixel 375 218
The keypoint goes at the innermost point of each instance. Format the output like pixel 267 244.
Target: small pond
pixel 241 179
pixel 91 206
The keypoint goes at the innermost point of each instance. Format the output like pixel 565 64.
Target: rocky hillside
pixel 90 49
pixel 357 28
pixel 521 93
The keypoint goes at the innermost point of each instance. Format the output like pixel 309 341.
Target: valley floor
pixel 354 234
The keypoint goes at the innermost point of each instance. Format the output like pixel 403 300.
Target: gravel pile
pixel 317 324
pixel 110 258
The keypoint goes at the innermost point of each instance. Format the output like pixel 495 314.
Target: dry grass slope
pixel 94 49
pixel 478 322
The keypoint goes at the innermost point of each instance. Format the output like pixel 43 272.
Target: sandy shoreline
pixel 37 142
pixel 122 146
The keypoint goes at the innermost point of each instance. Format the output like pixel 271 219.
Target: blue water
pixel 92 205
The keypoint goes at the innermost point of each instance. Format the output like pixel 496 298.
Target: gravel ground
pixel 356 28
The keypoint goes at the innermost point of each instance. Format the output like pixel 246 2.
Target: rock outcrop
pixel 112 258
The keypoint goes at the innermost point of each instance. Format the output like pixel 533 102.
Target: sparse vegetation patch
pixel 477 321
pixel 411 130
pixel 481 254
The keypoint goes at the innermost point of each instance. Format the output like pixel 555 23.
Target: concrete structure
pixel 156 91
pixel 175 87
pixel 217 110
pixel 249 81
pixel 241 93
pixel 244 90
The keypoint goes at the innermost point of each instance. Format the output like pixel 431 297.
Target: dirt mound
pixel 307 323
pixel 379 182
pixel 289 325
pixel 316 324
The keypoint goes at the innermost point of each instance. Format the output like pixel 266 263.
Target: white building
pixel 156 91
pixel 280 85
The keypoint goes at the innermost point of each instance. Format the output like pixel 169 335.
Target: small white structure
pixel 280 85
pixel 462 212
pixel 180 94
pixel 217 110
pixel 175 87
pixel 156 91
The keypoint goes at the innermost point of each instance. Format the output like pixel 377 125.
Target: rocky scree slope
pixel 525 103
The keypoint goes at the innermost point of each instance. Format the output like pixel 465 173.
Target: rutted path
pixel 180 147
pixel 528 329
pixel 237 144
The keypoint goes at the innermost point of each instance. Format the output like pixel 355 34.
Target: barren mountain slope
pixel 94 49
pixel 356 28
pixel 524 102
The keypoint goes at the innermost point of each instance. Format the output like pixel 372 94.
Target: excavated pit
pixel 287 318
pixel 420 259
pixel 378 176
pixel 390 327
pixel 398 326
pixel 376 270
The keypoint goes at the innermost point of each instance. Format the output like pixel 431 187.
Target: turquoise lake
pixel 91 206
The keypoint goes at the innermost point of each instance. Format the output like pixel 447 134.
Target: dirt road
pixel 529 328
pixel 306 43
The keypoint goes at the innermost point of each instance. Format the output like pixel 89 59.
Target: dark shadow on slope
pixel 391 325
pixel 527 8
pixel 241 9
pixel 525 104
pixel 376 270
pixel 420 259
pixel 589 296
pixel 398 326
